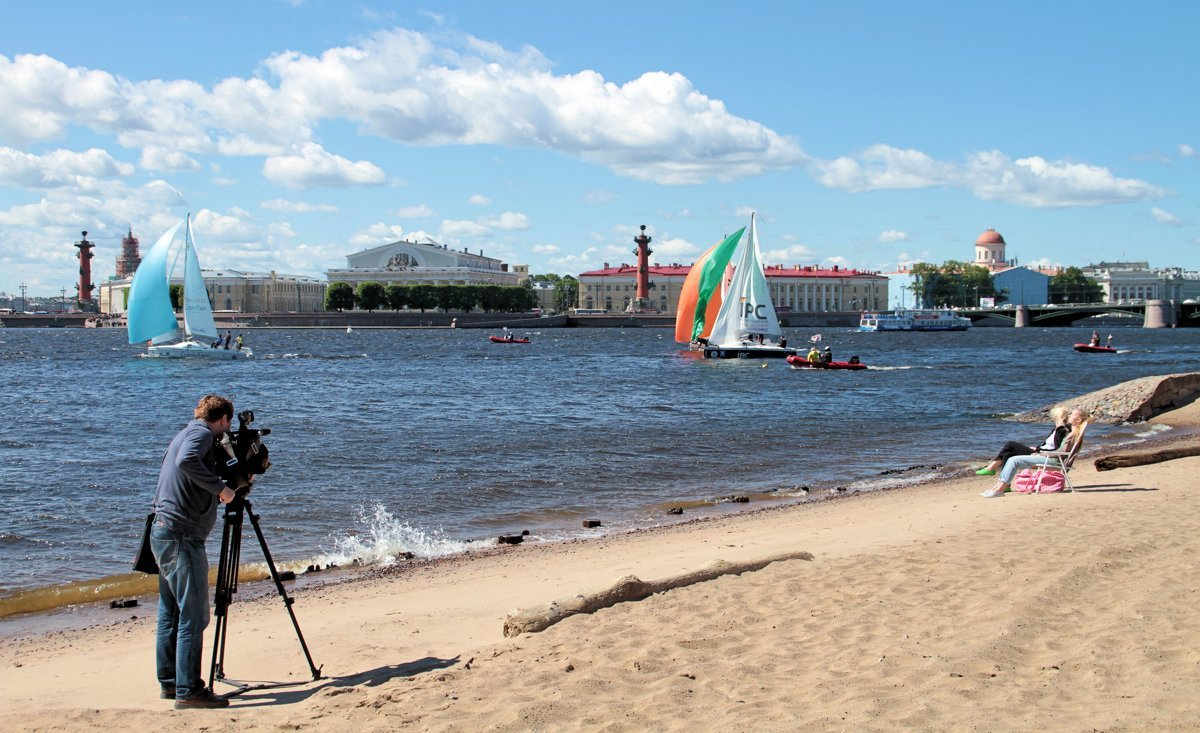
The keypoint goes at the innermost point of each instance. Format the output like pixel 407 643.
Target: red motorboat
pixel 801 362
pixel 507 340
pixel 1089 349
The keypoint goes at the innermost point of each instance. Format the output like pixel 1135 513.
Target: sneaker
pixel 989 494
pixel 202 699
pixel 985 472
pixel 168 693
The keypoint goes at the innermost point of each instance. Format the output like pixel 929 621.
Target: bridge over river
pixel 1153 313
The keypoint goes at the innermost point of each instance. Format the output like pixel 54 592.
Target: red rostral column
pixel 643 252
pixel 85 273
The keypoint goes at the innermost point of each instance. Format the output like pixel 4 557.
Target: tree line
pixel 373 296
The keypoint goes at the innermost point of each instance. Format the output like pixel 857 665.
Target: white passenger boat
pixel 913 320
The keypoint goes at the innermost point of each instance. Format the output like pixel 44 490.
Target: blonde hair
pixel 213 407
pixel 1058 414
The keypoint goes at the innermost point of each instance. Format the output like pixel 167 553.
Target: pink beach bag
pixel 1026 482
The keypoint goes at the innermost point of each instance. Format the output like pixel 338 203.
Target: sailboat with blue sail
pixel 151 317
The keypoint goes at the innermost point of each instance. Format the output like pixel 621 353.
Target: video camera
pixel 247 455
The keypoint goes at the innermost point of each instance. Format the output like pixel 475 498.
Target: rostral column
pixel 642 302
pixel 85 274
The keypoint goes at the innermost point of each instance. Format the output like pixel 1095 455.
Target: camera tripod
pixel 227 585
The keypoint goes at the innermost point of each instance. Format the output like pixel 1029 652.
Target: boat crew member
pixel 814 356
pixel 1095 339
pixel 185 508
pixel 827 357
pixel 1109 343
pixel 238 341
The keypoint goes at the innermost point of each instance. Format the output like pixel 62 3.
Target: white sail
pixel 197 312
pixel 747 308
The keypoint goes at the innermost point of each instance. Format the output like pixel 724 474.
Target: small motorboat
pixel 1089 349
pixel 802 363
pixel 507 340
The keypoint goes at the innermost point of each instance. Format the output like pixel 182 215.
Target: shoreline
pixel 74 615
pixel 926 608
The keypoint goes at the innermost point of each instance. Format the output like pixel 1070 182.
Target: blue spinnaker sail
pixel 150 314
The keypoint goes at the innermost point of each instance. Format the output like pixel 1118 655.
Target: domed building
pixel 989 250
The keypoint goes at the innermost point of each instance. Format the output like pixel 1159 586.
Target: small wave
pixel 1153 430
pixel 326 357
pixel 381 539
pixel 893 368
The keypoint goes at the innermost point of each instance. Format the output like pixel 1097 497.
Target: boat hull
pixel 1089 349
pixel 747 351
pixel 197 350
pixel 801 363
pixel 499 340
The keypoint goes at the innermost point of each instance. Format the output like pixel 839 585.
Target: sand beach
pixel 926 608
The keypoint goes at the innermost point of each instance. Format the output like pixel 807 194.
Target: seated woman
pixel 1077 419
pixel 1013 448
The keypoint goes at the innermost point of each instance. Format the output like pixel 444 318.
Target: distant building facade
pixel 232 290
pixel 1022 286
pixel 797 289
pixel 422 263
pixel 1137 282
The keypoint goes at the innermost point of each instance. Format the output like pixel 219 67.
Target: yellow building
pixel 235 291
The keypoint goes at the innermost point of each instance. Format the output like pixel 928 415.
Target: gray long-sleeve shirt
pixel 188 486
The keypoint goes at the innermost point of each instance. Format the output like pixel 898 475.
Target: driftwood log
pixel 1127 460
pixel 629 588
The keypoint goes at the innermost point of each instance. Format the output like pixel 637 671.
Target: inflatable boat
pixel 503 340
pixel 1089 349
pixel 801 363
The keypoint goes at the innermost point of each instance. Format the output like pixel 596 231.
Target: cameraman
pixel 185 505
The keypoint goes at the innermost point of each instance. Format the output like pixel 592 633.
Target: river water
pixel 432 441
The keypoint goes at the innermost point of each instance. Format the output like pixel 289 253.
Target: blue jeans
pixel 182 609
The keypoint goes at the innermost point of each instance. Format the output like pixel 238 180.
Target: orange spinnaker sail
pixel 700 298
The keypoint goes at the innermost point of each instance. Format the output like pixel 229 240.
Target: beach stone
pixel 675 510
pixel 510 539
pixel 740 499
pixel 589 523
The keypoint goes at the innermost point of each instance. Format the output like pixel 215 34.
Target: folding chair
pixel 1061 461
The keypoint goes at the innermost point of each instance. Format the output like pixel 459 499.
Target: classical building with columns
pixel 795 289
pixel 423 263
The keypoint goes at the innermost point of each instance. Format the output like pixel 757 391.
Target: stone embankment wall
pixel 1132 401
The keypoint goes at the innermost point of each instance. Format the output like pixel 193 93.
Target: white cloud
pixel 415 212
pixel 1165 217
pixel 893 235
pixel 546 249
pixel 990 175
pixel 479 199
pixel 1187 151
pixel 459 228
pixel 376 235
pixel 59 168
pixel 796 254
pixel 509 220
pixel 235 227
pixel 297 207
pixel 672 249
pixel 155 158
pixel 314 166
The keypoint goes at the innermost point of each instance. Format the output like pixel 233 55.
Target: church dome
pixel 991 236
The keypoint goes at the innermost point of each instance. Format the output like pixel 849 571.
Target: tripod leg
pixel 287 600
pixel 226 586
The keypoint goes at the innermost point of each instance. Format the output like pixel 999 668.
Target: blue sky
pixel 866 134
